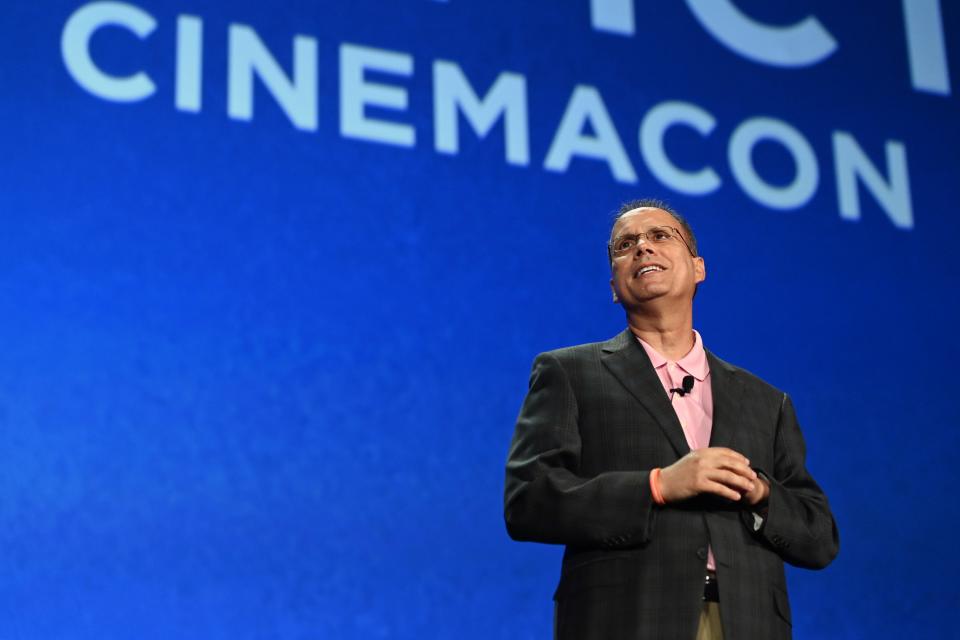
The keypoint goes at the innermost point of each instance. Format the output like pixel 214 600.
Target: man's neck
pixel 671 336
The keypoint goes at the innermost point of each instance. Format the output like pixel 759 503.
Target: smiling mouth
pixel 648 269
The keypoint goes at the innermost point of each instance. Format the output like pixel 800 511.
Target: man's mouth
pixel 648 268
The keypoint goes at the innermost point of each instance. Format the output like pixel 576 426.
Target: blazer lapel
pixel 625 358
pixel 727 390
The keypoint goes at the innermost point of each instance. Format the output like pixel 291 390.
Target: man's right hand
pixel 716 470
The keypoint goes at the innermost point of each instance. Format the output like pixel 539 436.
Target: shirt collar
pixel 694 363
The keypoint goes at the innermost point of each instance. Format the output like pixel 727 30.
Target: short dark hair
pixel 654 203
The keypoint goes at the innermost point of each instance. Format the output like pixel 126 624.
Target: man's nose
pixel 643 246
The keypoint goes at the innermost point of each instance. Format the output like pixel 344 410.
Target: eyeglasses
pixel 628 242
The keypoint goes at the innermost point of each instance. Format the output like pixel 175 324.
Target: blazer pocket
pixel 782 604
pixel 601 572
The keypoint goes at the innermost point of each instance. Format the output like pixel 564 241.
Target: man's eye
pixel 661 234
pixel 625 243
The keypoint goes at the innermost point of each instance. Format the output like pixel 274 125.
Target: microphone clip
pixel 687 386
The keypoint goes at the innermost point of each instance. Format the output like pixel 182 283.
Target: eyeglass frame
pixel 643 234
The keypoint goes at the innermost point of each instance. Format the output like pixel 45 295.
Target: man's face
pixel 676 274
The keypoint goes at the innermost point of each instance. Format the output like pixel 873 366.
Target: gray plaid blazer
pixel 594 422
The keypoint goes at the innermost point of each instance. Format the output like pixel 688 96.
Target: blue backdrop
pixel 273 275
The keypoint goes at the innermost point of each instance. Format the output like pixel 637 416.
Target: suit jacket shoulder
pixel 753 384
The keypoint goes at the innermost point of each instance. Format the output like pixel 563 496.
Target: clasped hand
pixel 716 470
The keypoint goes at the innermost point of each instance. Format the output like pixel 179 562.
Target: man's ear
pixel 613 291
pixel 699 270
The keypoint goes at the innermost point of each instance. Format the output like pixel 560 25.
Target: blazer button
pixel 702 553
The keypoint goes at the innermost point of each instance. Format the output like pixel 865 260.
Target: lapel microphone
pixel 687 387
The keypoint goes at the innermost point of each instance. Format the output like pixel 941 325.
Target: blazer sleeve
pixel 545 499
pixel 798 523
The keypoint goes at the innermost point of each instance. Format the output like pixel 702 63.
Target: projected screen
pixel 274 275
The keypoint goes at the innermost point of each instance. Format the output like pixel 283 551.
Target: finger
pixel 727 453
pixel 732 480
pixel 735 463
pixel 721 490
pixel 739 468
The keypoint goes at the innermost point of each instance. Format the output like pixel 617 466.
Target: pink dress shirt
pixel 695 409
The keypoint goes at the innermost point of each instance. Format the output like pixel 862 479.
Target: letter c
pixel 799 45
pixel 75 49
pixel 653 129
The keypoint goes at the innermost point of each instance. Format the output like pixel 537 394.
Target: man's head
pixel 653 254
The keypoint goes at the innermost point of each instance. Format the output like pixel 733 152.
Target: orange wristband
pixel 655 486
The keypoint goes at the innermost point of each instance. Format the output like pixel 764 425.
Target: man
pixel 676 481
